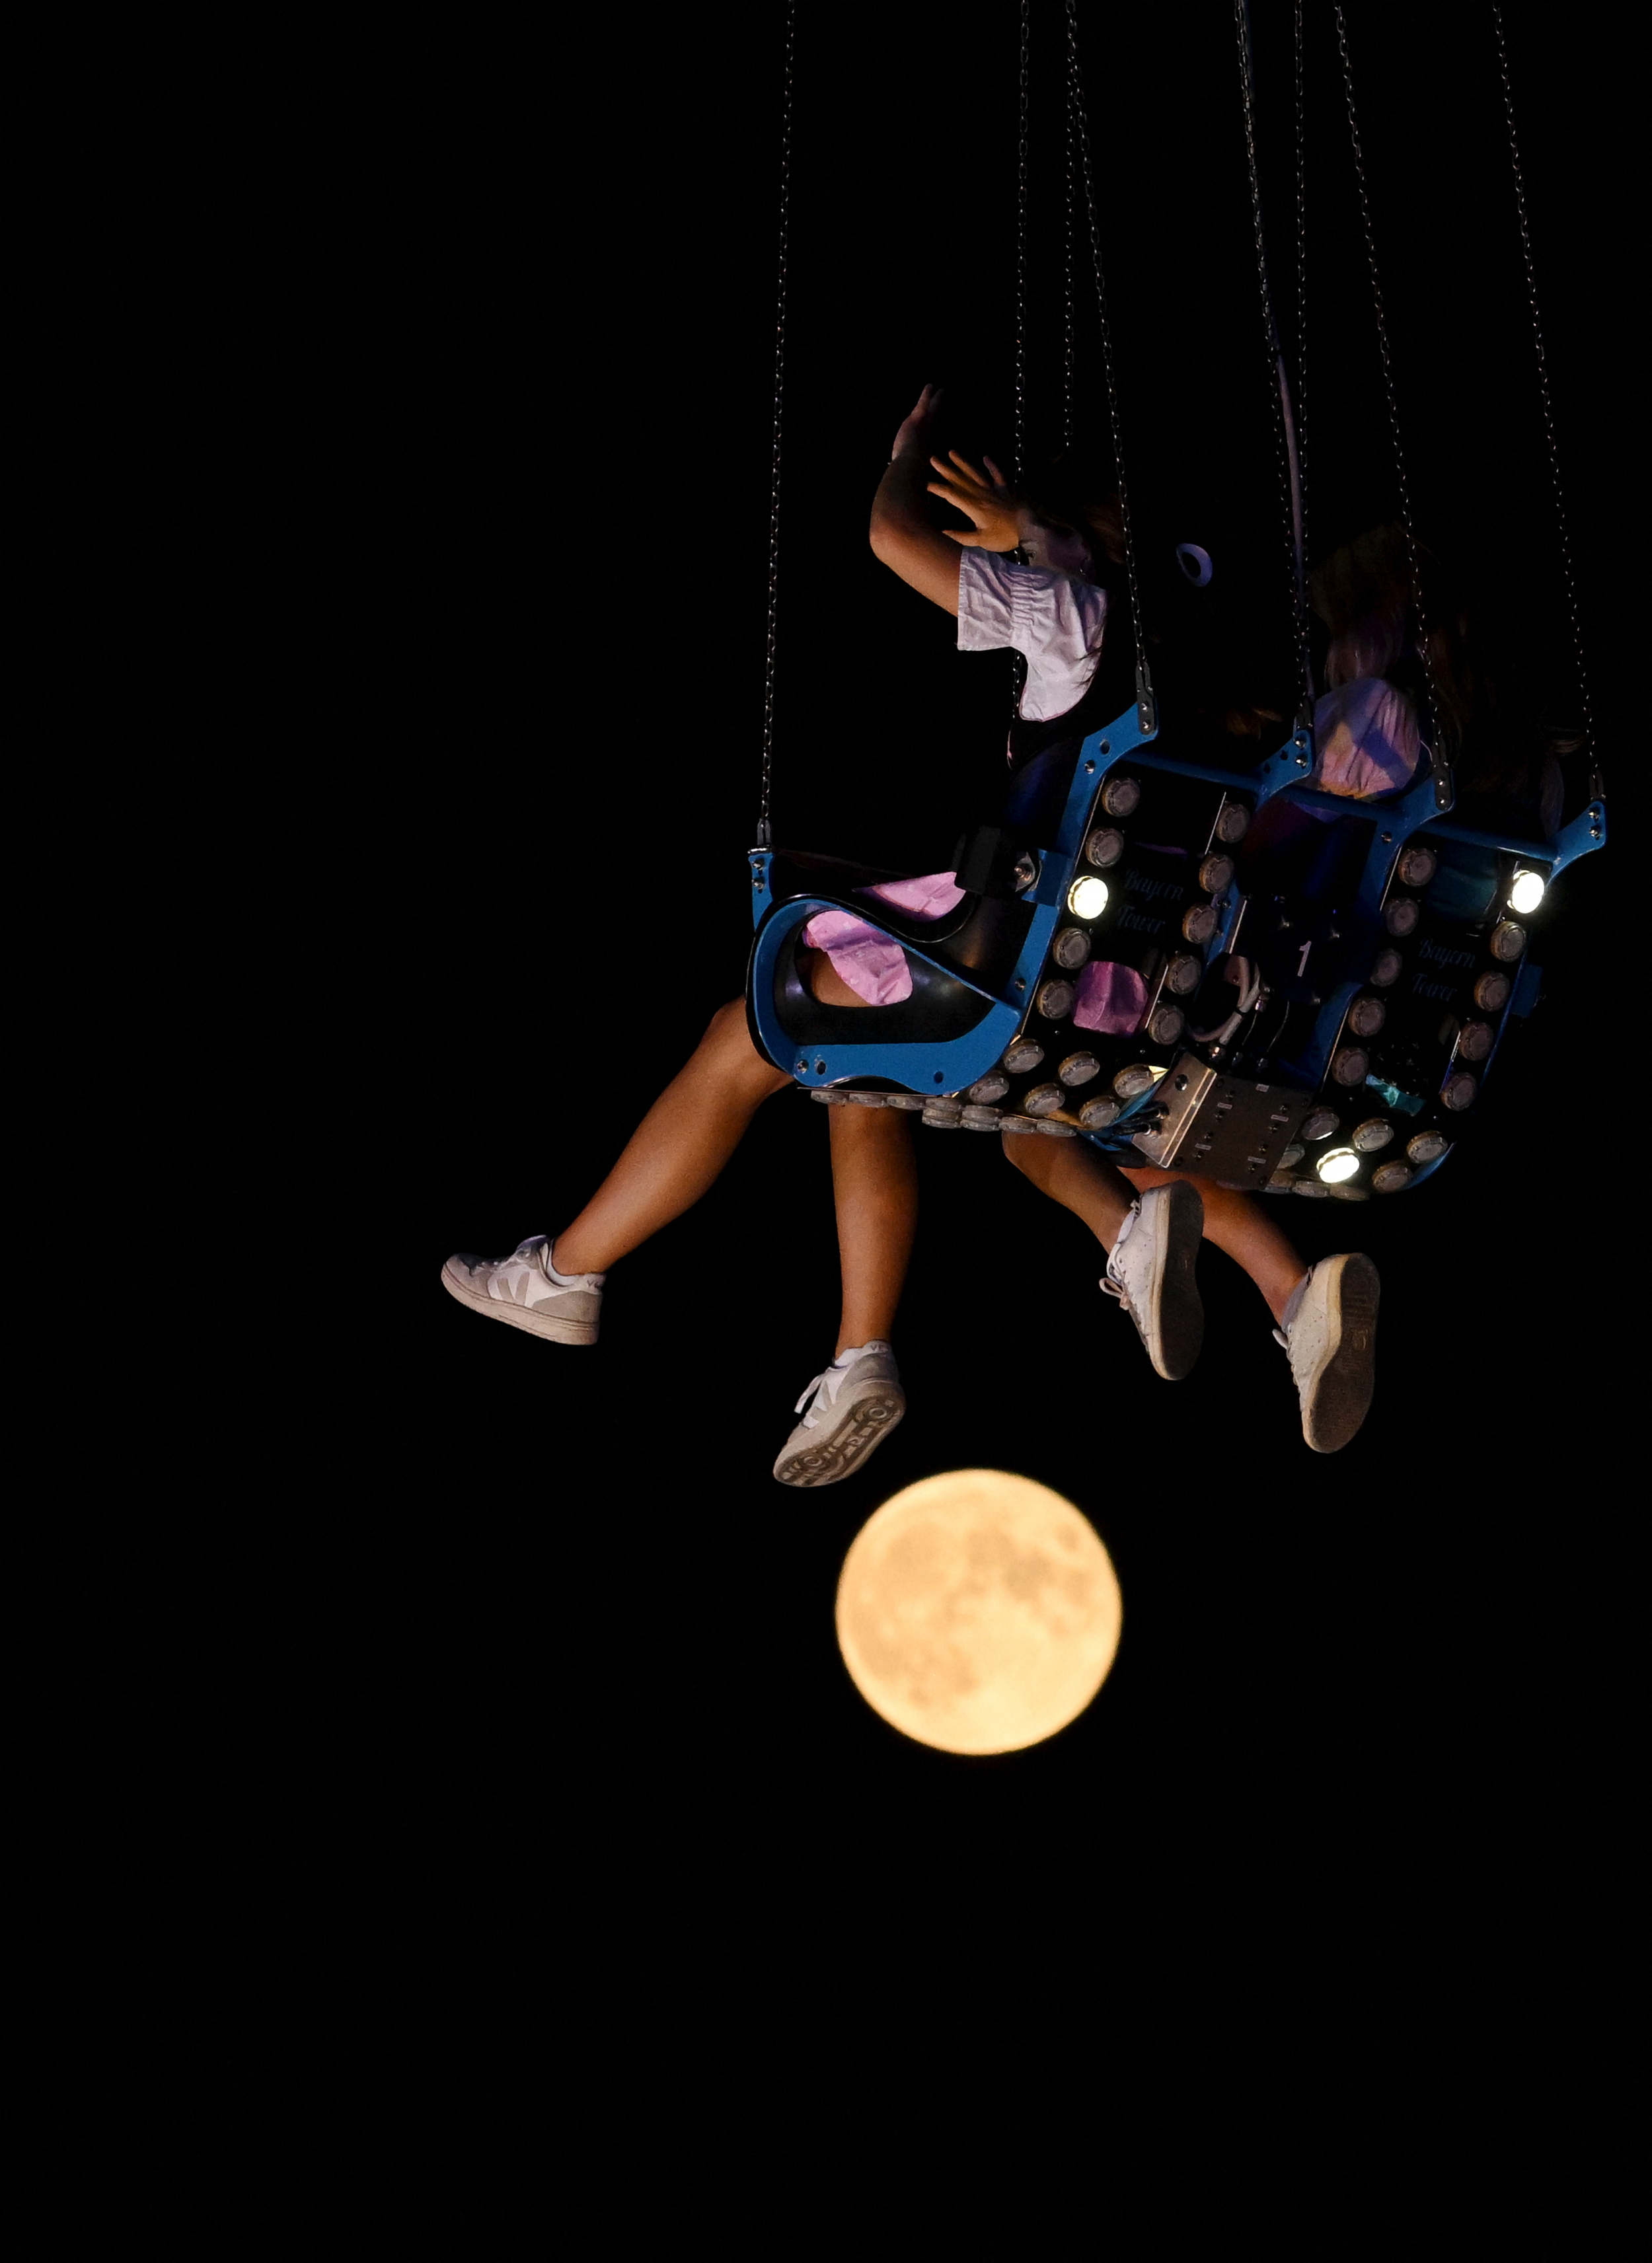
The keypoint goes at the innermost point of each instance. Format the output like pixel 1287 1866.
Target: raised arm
pixel 922 555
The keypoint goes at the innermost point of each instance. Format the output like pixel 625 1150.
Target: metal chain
pixel 1147 705
pixel 1017 666
pixel 1548 411
pixel 1067 299
pixel 1018 458
pixel 1301 301
pixel 1271 338
pixel 763 834
pixel 1442 764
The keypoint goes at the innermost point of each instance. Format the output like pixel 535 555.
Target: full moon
pixel 978 1612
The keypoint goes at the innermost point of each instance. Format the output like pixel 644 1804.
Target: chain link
pixel 1271 338
pixel 1548 411
pixel 1147 706
pixel 1066 299
pixel 1018 459
pixel 763 834
pixel 1301 401
pixel 1442 763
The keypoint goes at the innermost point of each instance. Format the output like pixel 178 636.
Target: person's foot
pixel 1150 1271
pixel 851 1409
pixel 526 1291
pixel 1330 1335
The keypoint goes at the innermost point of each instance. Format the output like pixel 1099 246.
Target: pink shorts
pixel 1111 998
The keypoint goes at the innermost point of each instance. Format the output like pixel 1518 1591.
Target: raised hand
pixel 983 496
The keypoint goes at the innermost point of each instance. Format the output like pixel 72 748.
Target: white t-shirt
pixel 1054 622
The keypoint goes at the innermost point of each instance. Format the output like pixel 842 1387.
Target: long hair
pixel 1484 717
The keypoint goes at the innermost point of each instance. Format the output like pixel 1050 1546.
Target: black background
pixel 542 1648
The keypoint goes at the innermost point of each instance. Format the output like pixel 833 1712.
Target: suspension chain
pixel 1067 298
pixel 1019 456
pixel 1301 314
pixel 1271 336
pixel 763 834
pixel 1147 705
pixel 1442 792
pixel 1589 752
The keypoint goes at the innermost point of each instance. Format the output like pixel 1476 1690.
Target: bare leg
pixel 1073 1175
pixel 677 1150
pixel 874 1185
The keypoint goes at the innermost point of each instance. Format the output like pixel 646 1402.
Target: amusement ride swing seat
pixel 1352 1016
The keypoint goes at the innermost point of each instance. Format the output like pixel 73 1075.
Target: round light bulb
pixel 1340 1164
pixel 1087 899
pixel 1527 892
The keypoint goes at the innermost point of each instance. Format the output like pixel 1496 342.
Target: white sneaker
pixel 1150 1271
pixel 852 1407
pixel 526 1291
pixel 1330 1335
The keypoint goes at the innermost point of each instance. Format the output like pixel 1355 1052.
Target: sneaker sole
pixel 1180 1335
pixel 1342 1397
pixel 520 1316
pixel 826 1461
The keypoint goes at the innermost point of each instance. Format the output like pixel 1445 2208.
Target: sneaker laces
pixel 1113 1282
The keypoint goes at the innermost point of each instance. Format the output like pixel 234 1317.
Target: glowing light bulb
pixel 1087 899
pixel 1340 1164
pixel 1527 892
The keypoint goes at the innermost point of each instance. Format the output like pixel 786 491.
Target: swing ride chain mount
pixel 763 834
pixel 1444 790
pixel 1591 754
pixel 1293 535
pixel 1147 704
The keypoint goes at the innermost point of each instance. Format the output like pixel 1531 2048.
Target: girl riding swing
pixel 1054 612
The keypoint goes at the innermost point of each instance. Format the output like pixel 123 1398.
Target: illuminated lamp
pixel 1527 892
pixel 1340 1164
pixel 1086 898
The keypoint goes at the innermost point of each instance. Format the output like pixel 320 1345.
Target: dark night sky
pixel 549 1636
